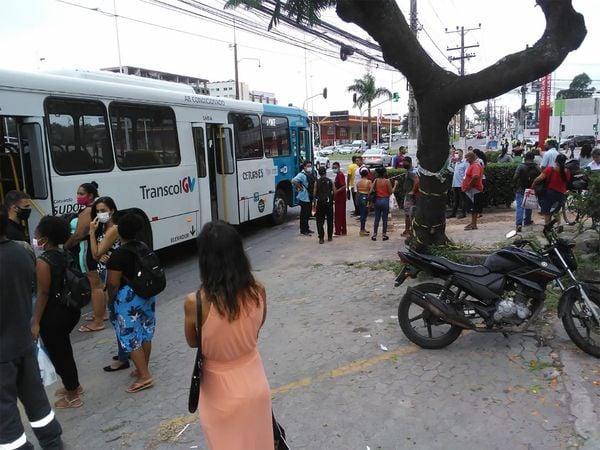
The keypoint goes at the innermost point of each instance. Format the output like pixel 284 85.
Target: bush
pixel 499 186
pixel 492 156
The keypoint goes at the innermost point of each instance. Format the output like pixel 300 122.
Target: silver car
pixel 377 157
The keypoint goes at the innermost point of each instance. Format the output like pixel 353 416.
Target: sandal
pixel 88 329
pixel 61 392
pixel 470 227
pixel 140 386
pixel 65 403
pixel 90 317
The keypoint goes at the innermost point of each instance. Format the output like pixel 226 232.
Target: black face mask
pixel 24 213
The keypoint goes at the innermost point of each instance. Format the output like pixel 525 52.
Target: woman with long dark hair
pixel 556 179
pixel 235 399
pixel 79 244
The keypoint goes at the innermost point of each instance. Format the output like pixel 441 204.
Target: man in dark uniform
pixel 18 205
pixel 19 371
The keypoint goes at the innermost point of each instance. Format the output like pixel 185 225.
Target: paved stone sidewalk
pixel 334 387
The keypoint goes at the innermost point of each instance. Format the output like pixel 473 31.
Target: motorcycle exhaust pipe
pixel 439 309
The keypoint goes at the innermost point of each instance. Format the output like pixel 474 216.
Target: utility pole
pixel 412 104
pixel 462 57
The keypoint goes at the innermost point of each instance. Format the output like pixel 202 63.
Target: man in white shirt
pixel 549 156
pixel 595 164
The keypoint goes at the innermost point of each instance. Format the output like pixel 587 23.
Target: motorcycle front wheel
pixel 422 327
pixel 580 324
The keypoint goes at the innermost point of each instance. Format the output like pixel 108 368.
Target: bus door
pixel 206 187
pixel 23 165
pixel 221 172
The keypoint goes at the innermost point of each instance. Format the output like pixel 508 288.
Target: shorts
pixel 475 205
pixel 551 201
pixel 409 204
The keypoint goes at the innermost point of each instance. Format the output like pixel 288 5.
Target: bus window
pixel 145 136
pixel 200 151
pixel 78 134
pixel 303 140
pixel 33 160
pixel 276 135
pixel 224 151
pixel 248 139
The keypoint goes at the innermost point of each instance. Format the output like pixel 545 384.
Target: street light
pixel 324 94
pixel 237 61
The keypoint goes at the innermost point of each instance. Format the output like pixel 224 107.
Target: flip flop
pixel 75 403
pixel 137 387
pixel 61 392
pixel 469 227
pixel 91 318
pixel 87 329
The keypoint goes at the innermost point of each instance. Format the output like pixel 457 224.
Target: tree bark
pixel 440 94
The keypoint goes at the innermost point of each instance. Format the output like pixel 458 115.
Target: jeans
pixel 363 204
pixel 520 210
pixel 382 208
pixel 304 216
pixel 458 200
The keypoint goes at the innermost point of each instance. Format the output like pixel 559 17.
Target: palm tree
pixel 366 93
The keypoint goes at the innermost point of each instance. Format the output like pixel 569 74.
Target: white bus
pixel 174 157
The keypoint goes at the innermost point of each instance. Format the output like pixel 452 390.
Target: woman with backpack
pixel 382 188
pixel 52 320
pixel 132 315
pixel 556 179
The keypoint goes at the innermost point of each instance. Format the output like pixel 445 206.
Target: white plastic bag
pixel 530 200
pixel 47 371
pixel 393 202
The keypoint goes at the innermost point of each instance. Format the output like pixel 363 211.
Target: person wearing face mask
pixel 104 239
pixel 18 205
pixel 339 200
pixel 302 183
pixel 52 320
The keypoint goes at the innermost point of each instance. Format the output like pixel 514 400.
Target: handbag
pixel 279 435
pixel 197 374
pixel 373 193
pixel 540 188
pixel 530 200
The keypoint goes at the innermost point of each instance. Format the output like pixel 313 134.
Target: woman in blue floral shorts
pixel 132 316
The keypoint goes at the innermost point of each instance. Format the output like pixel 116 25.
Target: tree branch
pixel 565 31
pixel 384 21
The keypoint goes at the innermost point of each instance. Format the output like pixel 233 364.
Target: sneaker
pixel 374 237
pixel 364 233
pixel 519 228
pixel 305 233
pixel 321 241
pixel 310 232
pixel 385 237
pixel 529 223
pixel 329 239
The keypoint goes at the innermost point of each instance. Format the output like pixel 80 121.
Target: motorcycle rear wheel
pixel 409 312
pixel 579 324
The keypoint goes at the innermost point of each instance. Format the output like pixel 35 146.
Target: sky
pixel 54 34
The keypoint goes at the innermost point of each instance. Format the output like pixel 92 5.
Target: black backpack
pixel 149 279
pixel 76 291
pixel 310 180
pixel 324 190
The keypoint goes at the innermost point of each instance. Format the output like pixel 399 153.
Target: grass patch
pixel 552 296
pixel 386 264
pixel 451 252
pixel 536 366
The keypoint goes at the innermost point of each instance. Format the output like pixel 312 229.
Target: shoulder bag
pixel 540 188
pixel 197 374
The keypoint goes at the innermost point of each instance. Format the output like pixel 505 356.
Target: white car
pixel 377 157
pixel 321 160
pixel 327 151
pixel 345 150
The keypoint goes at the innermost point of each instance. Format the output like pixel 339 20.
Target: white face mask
pixel 308 170
pixel 335 170
pixel 103 217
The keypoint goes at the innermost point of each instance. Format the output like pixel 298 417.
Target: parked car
pixel 346 150
pixel 578 141
pixel 377 157
pixel 321 159
pixel 327 151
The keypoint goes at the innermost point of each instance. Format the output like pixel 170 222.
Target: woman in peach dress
pixel 235 399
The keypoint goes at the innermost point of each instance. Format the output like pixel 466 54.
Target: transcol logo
pixel 184 186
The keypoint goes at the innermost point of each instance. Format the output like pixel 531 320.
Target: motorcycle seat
pixel 477 270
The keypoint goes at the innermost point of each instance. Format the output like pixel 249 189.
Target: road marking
pixel 348 369
pixel 170 428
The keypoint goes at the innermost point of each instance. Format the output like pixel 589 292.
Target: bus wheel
pixel 279 208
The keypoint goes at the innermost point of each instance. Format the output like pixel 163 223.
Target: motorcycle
pixel 505 294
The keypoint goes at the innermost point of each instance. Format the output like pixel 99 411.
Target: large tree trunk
pixel 439 93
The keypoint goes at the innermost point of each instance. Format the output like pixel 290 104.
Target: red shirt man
pixel 472 187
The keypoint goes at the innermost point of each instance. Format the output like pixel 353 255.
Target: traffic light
pixel 396 96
